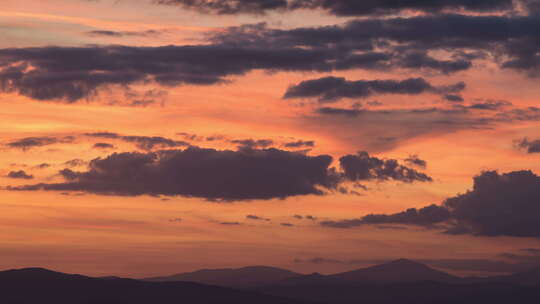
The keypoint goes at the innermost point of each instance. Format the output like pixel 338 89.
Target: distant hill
pixel 229 277
pixel 400 271
pixel 36 285
pixel 530 277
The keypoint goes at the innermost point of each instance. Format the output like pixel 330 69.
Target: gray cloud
pixel 21 174
pixel 330 89
pixel 498 205
pixel 33 142
pixel 142 142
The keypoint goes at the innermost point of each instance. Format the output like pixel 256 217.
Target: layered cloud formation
pixel 225 175
pixel 498 205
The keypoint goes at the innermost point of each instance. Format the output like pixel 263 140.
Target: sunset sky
pixel 143 138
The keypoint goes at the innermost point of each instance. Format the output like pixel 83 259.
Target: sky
pixel 142 138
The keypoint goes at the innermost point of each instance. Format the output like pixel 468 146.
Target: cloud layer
pixel 498 205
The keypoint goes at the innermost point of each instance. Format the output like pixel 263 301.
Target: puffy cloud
pixel 205 173
pixel 21 174
pixel 532 146
pixel 246 174
pixel 362 166
pixel 498 205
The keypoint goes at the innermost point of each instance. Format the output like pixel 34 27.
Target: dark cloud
pixel 300 144
pixel 231 223
pixel 205 173
pixel 531 146
pixel 453 98
pixel 252 143
pixel 256 218
pixel 43 166
pixel 375 103
pixel 311 217
pixel 411 42
pixel 74 73
pixel 490 105
pixel 498 205
pixel 108 33
pixel 75 162
pixel 175 220
pixel 142 142
pixel 339 111
pixel 19 175
pixel 103 146
pixel 287 225
pixel 363 167
pixel 414 160
pixel 427 216
pixel 330 89
pixel 338 7
pixel 298 217
pixel 33 142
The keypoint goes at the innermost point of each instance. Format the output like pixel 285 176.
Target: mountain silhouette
pixel 37 285
pixel 397 282
pixel 399 271
pixel 230 277
pixel 529 277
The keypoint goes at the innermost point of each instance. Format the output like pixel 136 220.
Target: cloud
pixel 71 74
pixel 19 175
pixel 410 42
pixel 252 144
pixel 287 225
pixel 498 205
pixel 33 142
pixel 109 33
pixel 384 129
pixel 142 142
pixel 77 162
pixel 331 89
pixel 362 167
pixel 103 146
pixel 339 111
pixel 205 173
pixel 532 146
pixel 414 160
pixel 453 98
pixel 426 216
pixel 300 144
pixel 337 7
pixel 256 218
pixel 231 223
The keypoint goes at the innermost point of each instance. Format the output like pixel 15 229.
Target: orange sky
pixel 137 236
